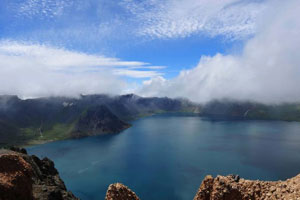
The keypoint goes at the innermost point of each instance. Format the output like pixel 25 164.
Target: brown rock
pixel 213 189
pixel 15 178
pixel 119 191
pixel 27 177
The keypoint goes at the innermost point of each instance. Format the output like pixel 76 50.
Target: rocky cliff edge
pixel 27 177
pixel 230 187
pixel 233 187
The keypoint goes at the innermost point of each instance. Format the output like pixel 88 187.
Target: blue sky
pixel 109 28
pixel 125 44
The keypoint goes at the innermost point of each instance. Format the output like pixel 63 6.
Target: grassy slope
pixel 59 131
pixel 32 135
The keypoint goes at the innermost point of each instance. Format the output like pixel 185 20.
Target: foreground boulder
pixel 27 177
pixel 233 188
pixel 119 191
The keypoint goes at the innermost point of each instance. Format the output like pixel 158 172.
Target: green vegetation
pixel 58 132
pixel 33 135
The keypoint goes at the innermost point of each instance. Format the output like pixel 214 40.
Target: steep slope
pixel 27 177
pixel 97 120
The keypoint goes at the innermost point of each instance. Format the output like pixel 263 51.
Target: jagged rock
pixel 27 177
pixel 18 149
pixel 233 188
pixel 119 191
pixel 15 177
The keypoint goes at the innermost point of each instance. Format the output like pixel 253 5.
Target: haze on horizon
pixel 196 49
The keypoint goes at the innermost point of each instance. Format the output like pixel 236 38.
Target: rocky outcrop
pixel 27 177
pixel 119 191
pixel 230 187
pixel 233 188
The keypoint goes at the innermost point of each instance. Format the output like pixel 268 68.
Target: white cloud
pixel 101 19
pixel 137 73
pixel 268 69
pixel 176 18
pixel 43 8
pixel 61 58
pixel 147 67
pixel 31 70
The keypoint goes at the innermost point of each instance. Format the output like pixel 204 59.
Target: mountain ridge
pixel 40 120
pixel 32 121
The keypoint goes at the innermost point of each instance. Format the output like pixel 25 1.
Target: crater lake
pixel 166 156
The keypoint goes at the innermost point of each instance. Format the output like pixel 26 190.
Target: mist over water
pixel 167 156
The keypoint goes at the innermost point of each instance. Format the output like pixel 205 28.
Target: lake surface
pixel 167 156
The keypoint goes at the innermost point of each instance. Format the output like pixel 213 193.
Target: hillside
pixel 40 120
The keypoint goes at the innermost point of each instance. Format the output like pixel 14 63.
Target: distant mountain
pixel 227 109
pixel 46 119
pixel 40 120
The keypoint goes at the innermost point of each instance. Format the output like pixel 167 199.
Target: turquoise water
pixel 167 156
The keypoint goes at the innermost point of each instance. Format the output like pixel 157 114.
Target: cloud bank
pixel 267 70
pixel 31 70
